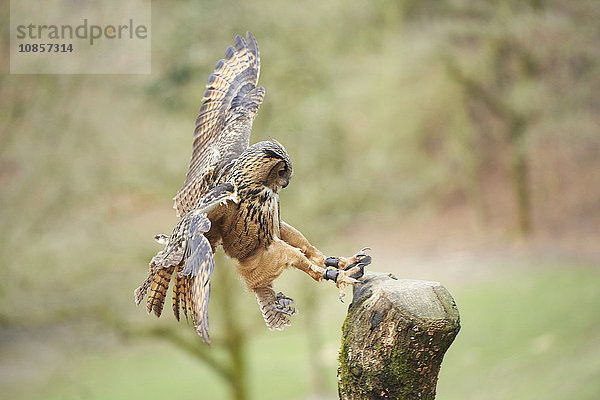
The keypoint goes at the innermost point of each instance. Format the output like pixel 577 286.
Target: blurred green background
pixel 459 139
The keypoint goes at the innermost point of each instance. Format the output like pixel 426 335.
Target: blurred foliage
pixel 368 99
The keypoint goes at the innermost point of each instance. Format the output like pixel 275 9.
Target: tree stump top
pixel 424 300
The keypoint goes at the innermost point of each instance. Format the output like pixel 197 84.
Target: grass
pixel 528 336
pixel 525 335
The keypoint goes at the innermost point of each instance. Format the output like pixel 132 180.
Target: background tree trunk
pixel 394 338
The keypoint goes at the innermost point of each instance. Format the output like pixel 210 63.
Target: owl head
pixel 264 164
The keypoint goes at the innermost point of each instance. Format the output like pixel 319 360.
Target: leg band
pixel 332 262
pixel 331 274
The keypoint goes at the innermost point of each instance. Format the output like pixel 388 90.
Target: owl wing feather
pixel 198 268
pixel 224 121
pixel 188 255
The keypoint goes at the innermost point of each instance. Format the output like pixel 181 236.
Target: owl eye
pixel 281 173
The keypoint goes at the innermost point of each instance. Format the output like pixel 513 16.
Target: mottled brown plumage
pixel 224 122
pixel 230 198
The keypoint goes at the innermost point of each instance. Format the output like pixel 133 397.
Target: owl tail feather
pixel 141 291
pixel 157 283
pixel 158 290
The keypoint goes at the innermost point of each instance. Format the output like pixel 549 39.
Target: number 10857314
pixel 45 48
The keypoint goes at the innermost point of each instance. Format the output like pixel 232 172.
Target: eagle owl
pixel 230 198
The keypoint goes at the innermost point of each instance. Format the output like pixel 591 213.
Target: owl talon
pixel 345 278
pixel 363 252
pixel 284 304
pixel 275 307
pixel 361 259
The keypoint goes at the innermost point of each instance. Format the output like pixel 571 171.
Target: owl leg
pixel 261 269
pixel 275 307
pixel 293 237
pixel 348 269
pixel 265 266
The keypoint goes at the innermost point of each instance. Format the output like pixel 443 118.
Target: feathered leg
pixel 275 307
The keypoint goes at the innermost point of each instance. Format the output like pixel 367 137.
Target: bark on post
pixel 394 338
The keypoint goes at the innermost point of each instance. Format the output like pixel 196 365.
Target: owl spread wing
pixel 224 121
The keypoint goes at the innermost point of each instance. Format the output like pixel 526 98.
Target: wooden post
pixel 394 338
